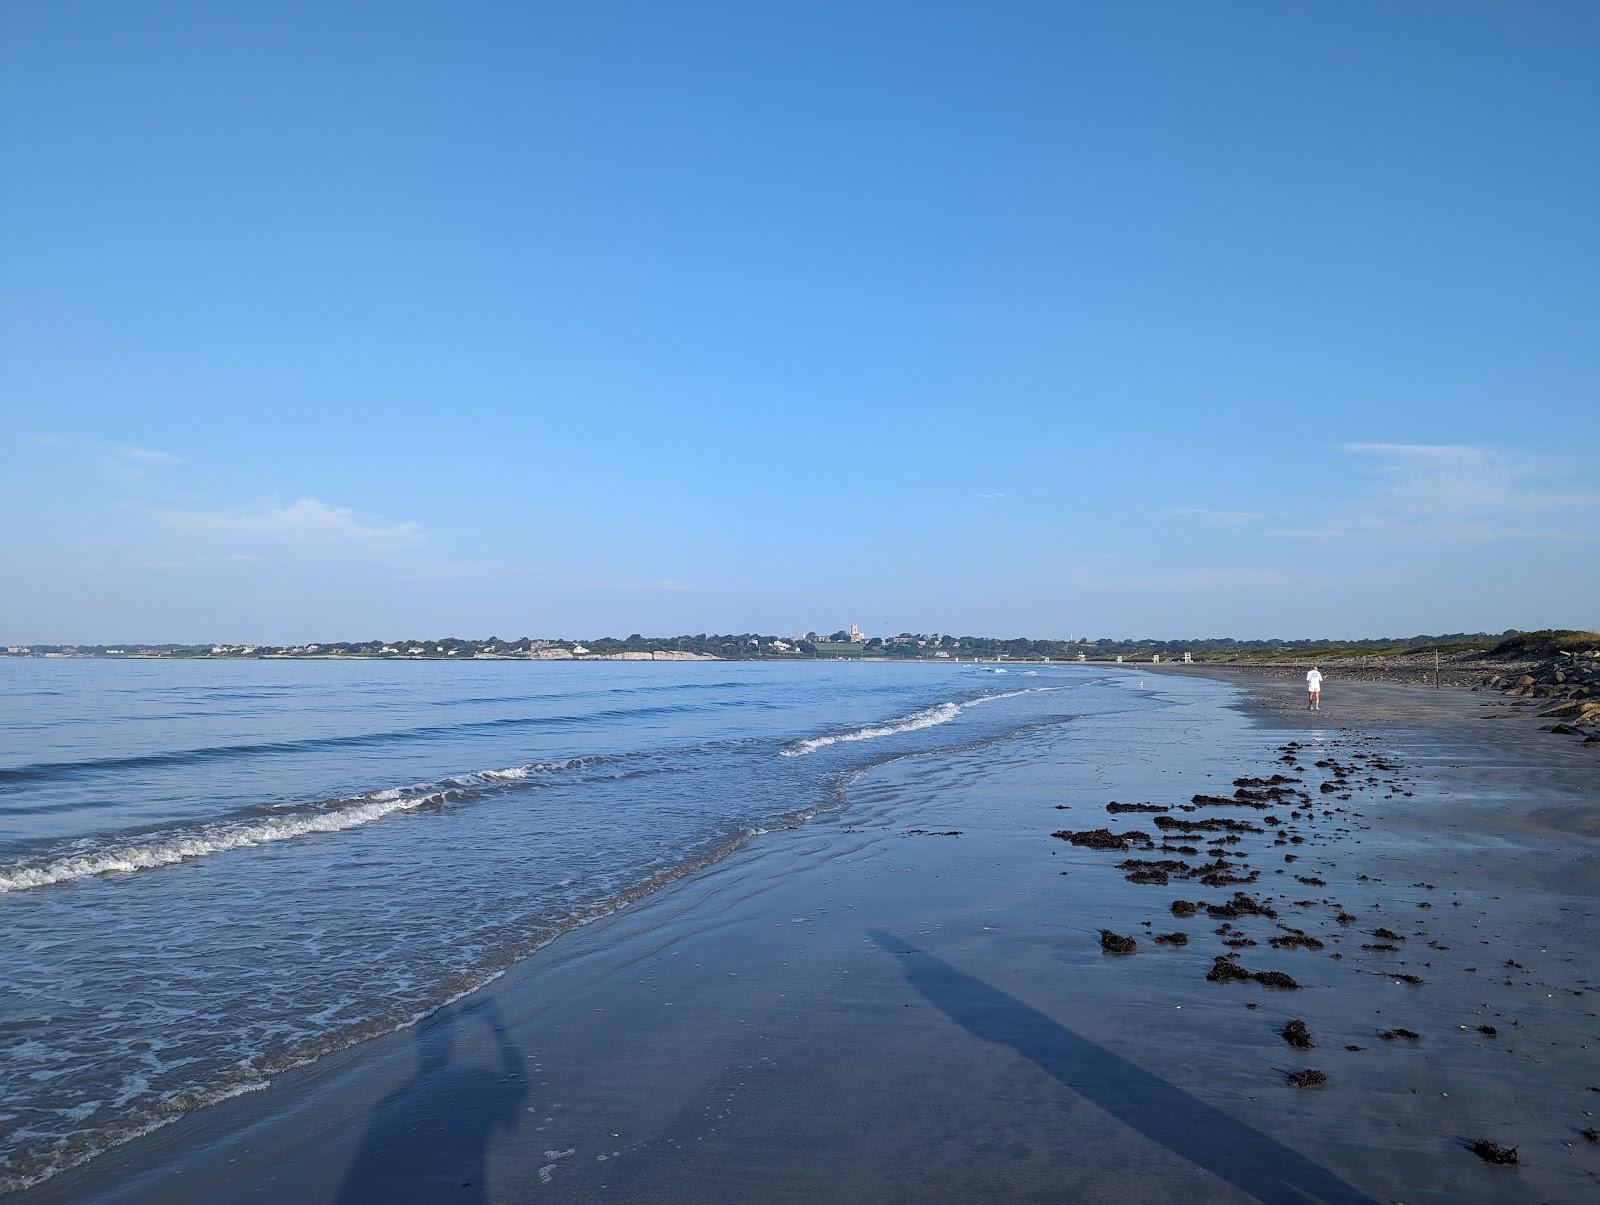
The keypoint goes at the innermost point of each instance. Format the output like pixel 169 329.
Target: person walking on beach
pixel 1314 689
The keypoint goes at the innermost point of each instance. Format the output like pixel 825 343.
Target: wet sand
pixel 870 1008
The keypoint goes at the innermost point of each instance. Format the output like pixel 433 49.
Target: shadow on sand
pixel 429 1138
pixel 1251 1161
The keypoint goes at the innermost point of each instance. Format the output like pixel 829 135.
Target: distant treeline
pixel 746 645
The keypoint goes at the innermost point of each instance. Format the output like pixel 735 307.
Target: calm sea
pixel 211 871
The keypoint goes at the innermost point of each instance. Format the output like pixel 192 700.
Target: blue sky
pixel 1054 319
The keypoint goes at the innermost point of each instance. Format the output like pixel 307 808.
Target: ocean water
pixel 213 871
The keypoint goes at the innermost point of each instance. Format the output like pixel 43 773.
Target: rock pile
pixel 1570 683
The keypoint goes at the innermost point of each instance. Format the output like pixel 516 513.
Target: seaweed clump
pixel 1116 943
pixel 1225 970
pixel 1491 1152
pixel 1100 838
pixel 1297 1035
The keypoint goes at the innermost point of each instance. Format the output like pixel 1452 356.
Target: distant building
pixel 941 653
pixel 1188 658
pixel 857 636
pixel 578 650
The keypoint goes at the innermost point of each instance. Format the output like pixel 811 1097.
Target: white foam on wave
pixel 216 839
pixel 941 714
pixel 171 849
pixel 1009 694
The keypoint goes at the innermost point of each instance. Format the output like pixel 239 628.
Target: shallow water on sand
pixel 213 870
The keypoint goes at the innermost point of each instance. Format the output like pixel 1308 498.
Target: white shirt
pixel 1313 680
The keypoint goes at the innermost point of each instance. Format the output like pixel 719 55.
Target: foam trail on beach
pixel 927 718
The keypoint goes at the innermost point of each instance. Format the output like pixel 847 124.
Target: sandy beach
pixel 908 999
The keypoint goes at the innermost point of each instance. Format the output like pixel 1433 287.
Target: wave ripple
pixel 331 816
pixel 943 713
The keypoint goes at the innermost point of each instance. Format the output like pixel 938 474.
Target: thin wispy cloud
pixel 1454 493
pixel 662 585
pixel 1416 451
pixel 149 455
pixel 990 497
pixel 1221 518
pixel 308 523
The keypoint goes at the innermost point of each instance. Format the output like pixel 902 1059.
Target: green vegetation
pixel 1545 642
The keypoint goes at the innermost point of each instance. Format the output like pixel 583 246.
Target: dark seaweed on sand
pixel 1225 970
pixel 1295 940
pixel 1409 1035
pixel 1173 939
pixel 1309 1078
pixel 1116 943
pixel 1100 838
pixel 1240 905
pixel 1491 1152
pixel 1216 824
pixel 1170 865
pixel 1276 979
pixel 1297 1035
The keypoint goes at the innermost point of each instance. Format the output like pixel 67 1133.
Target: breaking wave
pixel 330 816
pixel 943 713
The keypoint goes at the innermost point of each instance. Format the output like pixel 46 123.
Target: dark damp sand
pixel 846 1012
